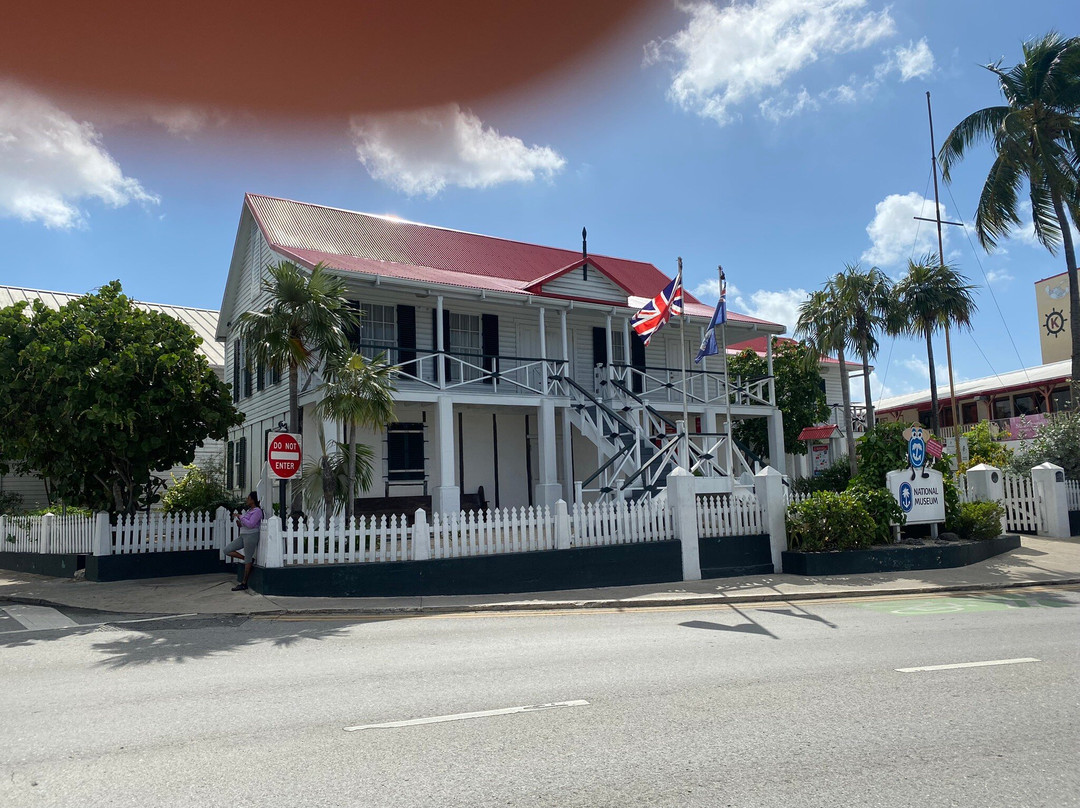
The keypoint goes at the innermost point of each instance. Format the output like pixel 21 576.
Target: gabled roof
pixel 394 248
pixel 536 285
pixel 202 321
pixel 818 432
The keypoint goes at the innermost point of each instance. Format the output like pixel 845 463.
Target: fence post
pixel 769 487
pixel 682 505
pixel 1049 482
pixel 272 544
pixel 48 525
pixel 421 540
pixel 985 483
pixel 101 545
pixel 562 525
pixel 221 530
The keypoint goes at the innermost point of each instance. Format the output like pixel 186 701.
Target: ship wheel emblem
pixel 1055 322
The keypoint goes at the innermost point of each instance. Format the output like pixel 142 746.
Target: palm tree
pixel 306 318
pixel 930 297
pixel 1035 137
pixel 863 297
pixel 822 325
pixel 357 393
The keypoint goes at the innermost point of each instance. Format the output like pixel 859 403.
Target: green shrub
pixel 201 489
pixel 833 478
pixel 1057 442
pixel 830 521
pixel 976 521
pixel 982 448
pixel 11 502
pixel 881 450
pixel 883 508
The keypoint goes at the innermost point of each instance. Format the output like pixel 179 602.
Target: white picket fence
pixel 512 530
pixel 316 540
pixel 1072 489
pixel 160 533
pixel 730 515
pixel 1021 503
pixel 601 523
pixel 46 534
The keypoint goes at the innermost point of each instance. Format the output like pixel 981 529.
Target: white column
pixel 447 496
pixel 565 342
pixel 543 354
pixel 547 490
pixel 775 423
pixel 769 487
pixel 1049 481
pixel 682 507
pixel 440 363
pixel 567 450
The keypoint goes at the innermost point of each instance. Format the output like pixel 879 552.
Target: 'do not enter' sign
pixel 284 456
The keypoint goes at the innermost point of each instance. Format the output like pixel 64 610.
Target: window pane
pixel 378 332
pixel 466 342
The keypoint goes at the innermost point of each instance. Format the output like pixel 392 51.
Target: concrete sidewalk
pixel 1039 561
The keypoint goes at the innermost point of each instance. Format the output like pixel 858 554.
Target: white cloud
pixel 424 151
pixel 912 62
pixel 744 51
pixel 777 307
pixel 779 109
pixel 895 234
pixel 998 276
pixel 49 162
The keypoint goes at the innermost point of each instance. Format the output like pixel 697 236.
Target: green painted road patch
pixel 955 604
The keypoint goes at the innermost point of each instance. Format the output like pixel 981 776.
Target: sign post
pixel 284 458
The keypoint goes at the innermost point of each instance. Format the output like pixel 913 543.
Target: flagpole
pixel 685 439
pixel 727 387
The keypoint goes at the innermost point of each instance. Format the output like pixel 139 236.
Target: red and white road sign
pixel 284 456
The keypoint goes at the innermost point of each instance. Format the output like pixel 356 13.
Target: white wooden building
pixel 519 372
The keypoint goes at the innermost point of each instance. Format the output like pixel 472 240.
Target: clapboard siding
pixel 597 287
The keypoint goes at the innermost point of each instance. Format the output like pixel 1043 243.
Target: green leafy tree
pixel 201 489
pixel 982 448
pixel 798 395
pixel 305 321
pixel 864 297
pixel 822 324
pixel 100 394
pixel 930 297
pixel 1035 137
pixel 1057 441
pixel 357 393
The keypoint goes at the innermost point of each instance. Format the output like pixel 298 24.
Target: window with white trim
pixel 378 332
pixel 466 340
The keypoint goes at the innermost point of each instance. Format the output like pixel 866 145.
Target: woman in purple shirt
pixel 248 522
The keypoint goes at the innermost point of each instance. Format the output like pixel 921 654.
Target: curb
pixel 587 605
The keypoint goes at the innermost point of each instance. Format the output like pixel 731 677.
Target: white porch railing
pixel 46 534
pixel 443 370
pixel 730 515
pixel 701 386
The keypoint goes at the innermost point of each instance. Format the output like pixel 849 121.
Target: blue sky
pixel 778 138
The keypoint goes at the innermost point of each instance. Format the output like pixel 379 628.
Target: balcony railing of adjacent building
pixel 1020 427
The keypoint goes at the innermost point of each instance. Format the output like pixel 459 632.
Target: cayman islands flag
pixel 654 314
pixel 708 345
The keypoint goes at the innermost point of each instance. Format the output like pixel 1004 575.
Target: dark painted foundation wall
pixel 897 559
pixel 731 556
pixel 58 565
pixel 580 568
pixel 153 565
pixel 1074 523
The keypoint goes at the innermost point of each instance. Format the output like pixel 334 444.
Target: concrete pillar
pixel 682 508
pixel 769 487
pixel 777 457
pixel 48 526
pixel 985 483
pixel 446 498
pixel 102 542
pixel 271 552
pixel 421 537
pixel 547 490
pixel 1049 480
pixel 562 526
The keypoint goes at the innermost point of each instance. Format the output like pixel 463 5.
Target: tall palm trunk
pixel 1074 299
pixel 294 426
pixel 845 393
pixel 866 386
pixel 933 381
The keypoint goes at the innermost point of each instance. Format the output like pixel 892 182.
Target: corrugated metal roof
pixel 1013 380
pixel 362 242
pixel 817 432
pixel 202 321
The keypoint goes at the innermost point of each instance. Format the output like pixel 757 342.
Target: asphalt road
pixel 780 705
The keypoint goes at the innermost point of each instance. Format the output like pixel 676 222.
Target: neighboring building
pixel 202 321
pixel 1002 399
pixel 825 442
pixel 519 372
pixel 1052 305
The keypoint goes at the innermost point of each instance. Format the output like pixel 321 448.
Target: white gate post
pixel 1049 482
pixel 101 545
pixel 272 542
pixel 769 487
pixel 221 529
pixel 562 525
pixel 48 524
pixel 985 483
pixel 682 506
pixel 421 538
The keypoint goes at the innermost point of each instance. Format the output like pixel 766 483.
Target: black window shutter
pixel 637 359
pixel 229 450
pixel 236 371
pixel 241 462
pixel 406 329
pixel 599 346
pixel 489 340
pixel 260 376
pixel 247 373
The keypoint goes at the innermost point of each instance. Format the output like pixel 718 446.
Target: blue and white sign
pixel 921 496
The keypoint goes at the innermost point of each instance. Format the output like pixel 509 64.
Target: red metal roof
pixel 817 432
pixel 393 248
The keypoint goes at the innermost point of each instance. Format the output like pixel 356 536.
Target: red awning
pixel 818 432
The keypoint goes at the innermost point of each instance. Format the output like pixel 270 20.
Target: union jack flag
pixel 654 314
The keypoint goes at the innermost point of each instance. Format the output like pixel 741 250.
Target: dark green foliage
pixel 883 508
pixel 798 395
pixel 200 490
pixel 830 521
pixel 100 394
pixel 833 478
pixel 976 520
pixel 1057 442
pixel 881 450
pixel 11 502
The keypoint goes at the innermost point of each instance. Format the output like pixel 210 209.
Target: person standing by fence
pixel 248 522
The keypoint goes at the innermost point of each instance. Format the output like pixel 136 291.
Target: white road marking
pixel 532 708
pixel 37 618
pixel 969 665
pixel 71 624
